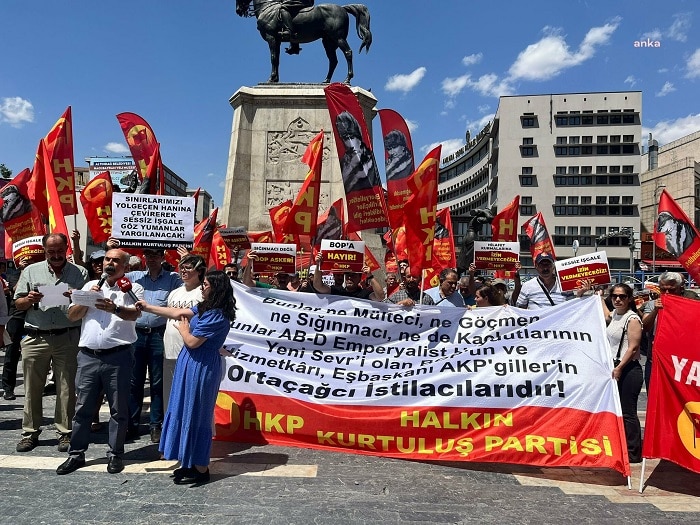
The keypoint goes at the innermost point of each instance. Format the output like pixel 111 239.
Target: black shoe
pixel 183 472
pixel 72 464
pixel 9 395
pixel 115 465
pixel 155 435
pixel 27 443
pixel 193 477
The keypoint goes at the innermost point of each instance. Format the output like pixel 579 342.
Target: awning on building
pixel 663 263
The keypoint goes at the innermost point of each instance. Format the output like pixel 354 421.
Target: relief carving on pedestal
pixel 289 145
pixel 278 191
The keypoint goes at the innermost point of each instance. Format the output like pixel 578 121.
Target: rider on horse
pixel 288 10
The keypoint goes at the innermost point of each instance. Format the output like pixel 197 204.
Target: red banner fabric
pixel 57 221
pixel 443 249
pixel 363 188
pixel 278 218
pixel 676 233
pixel 220 253
pixel 504 226
pixel 420 211
pixel 672 428
pixel 540 242
pixel 59 149
pixel 399 163
pixel 303 215
pixel 204 236
pixel 96 199
pixel 142 143
pixel 20 218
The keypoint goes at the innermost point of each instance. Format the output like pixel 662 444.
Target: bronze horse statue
pixel 328 22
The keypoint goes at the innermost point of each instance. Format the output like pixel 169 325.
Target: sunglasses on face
pixel 618 296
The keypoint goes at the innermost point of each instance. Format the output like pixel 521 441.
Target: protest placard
pixel 590 267
pixel 339 256
pixel 496 255
pixel 274 257
pixel 152 221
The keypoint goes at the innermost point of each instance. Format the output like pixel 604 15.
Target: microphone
pixel 102 280
pixel 125 286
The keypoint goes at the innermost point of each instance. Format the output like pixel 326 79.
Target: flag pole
pixel 641 475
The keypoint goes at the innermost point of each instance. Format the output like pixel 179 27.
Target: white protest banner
pixel 152 221
pixel 235 238
pixel 494 384
pixel 496 255
pixel 274 257
pixel 590 267
pixel 340 256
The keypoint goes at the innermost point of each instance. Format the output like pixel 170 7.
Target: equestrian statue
pixel 299 21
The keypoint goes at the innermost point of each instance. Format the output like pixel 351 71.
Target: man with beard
pixel 104 362
pixel 351 284
pixel 545 289
pixel 51 342
pixel 410 294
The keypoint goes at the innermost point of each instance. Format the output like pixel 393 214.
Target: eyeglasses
pixel 186 268
pixel 619 296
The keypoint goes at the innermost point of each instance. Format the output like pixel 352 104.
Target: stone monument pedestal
pixel 272 126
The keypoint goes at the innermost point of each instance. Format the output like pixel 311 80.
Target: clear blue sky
pixel 442 64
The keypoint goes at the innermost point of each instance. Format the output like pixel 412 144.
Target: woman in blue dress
pixel 187 428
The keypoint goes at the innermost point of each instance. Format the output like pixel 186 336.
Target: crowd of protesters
pixel 149 329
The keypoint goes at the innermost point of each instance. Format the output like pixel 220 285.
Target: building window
pixel 527 180
pixel 561 150
pixel 574 121
pixel 600 120
pixel 602 139
pixel 528 121
pixel 587 139
pixel 601 169
pixel 628 149
pixel 561 140
pixel 614 139
pixel 628 119
pixel 615 150
pixel 614 199
pixel 601 150
pixel 526 170
pixel 572 200
pixel 587 120
pixel 601 199
pixel 627 199
pixel 560 210
pixel 628 138
pixel 615 119
pixel 573 170
pixel 627 169
pixel 561 121
pixel 574 140
pixel 574 150
pixel 586 199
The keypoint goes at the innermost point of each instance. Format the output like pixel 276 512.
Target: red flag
pixel 262 237
pixel 540 242
pixel 672 431
pixel 443 249
pixel 204 236
pixel 331 224
pixel 36 186
pixel 142 144
pixel 196 198
pixel 220 253
pixel 363 188
pixel 399 163
pixel 303 215
pixel 154 175
pixel 676 233
pixel 59 149
pixel 20 218
pixel 96 199
pixel 420 211
pixel 278 218
pixel 504 226
pixel 57 221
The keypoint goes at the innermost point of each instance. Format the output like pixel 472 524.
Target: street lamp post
pixel 656 217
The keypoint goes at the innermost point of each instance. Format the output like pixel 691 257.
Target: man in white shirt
pixel 104 361
pixel 545 289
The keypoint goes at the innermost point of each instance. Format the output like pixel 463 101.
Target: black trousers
pixel 629 386
pixel 13 353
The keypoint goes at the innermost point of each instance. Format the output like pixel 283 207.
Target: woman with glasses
pixel 187 428
pixel 192 269
pixel 624 338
